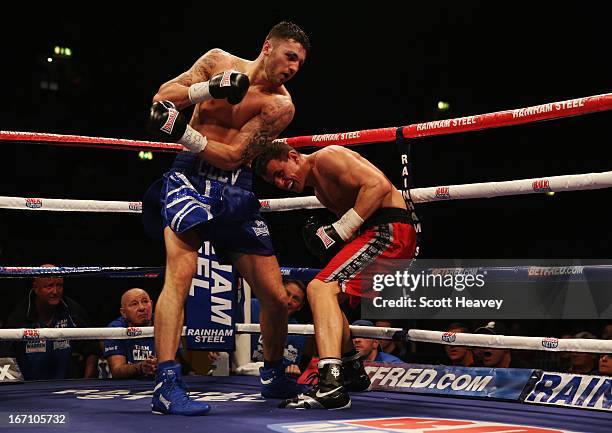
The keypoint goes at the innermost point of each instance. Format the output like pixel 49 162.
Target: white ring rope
pixel 436 337
pixel 68 205
pixel 572 182
pixel 576 182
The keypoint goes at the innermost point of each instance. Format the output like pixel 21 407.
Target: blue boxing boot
pixel 276 384
pixel 170 396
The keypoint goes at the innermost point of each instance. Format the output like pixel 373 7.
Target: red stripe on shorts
pixel 386 241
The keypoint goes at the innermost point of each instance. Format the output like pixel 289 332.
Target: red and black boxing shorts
pixel 388 234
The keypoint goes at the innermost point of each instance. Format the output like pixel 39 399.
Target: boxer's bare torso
pixel 221 120
pixel 337 176
pixel 266 109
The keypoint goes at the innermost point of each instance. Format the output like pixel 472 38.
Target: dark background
pixel 376 66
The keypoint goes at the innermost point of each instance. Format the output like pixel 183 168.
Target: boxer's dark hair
pixel 277 149
pixel 298 283
pixel 289 30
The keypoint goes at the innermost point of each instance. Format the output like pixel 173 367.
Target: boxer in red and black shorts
pixel 388 234
pixel 374 225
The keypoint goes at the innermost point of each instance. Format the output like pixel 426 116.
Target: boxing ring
pixel 91 405
pixel 123 406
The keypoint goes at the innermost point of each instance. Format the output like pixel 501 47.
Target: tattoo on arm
pixel 265 127
pixel 255 146
pixel 184 79
pixel 201 70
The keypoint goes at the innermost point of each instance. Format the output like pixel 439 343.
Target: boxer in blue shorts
pixel 240 105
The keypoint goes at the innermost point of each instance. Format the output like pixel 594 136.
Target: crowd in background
pixel 47 306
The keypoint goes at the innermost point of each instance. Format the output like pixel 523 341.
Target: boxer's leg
pixel 170 395
pixel 263 275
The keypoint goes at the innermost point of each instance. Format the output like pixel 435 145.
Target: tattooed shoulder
pixel 206 65
pixel 255 146
pixel 275 115
pixel 278 113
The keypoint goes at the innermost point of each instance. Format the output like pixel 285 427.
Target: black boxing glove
pixel 321 241
pixel 230 85
pixel 166 123
pixel 327 240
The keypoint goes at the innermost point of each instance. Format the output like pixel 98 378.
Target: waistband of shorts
pixel 191 165
pixel 386 215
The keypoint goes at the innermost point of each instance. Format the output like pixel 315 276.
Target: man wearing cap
pixel 583 363
pixel 395 348
pixel 496 358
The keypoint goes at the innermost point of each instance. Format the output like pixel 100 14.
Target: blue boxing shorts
pixel 219 205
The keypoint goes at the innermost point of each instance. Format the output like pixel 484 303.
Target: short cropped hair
pixel 276 149
pixel 289 30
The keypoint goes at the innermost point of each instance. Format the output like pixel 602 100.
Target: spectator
pixel 134 357
pixel 605 359
pixel 395 348
pixel 605 364
pixel 583 363
pixel 47 307
pixel 459 355
pixel 495 358
pixel 296 294
pixel 294 347
pixel 606 333
pixel 103 366
pixel 563 358
pixel 369 349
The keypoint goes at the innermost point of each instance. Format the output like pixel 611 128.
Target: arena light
pixel 443 106
pixel 145 156
pixel 62 51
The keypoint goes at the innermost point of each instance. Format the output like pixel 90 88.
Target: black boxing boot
pixel 329 393
pixel 355 376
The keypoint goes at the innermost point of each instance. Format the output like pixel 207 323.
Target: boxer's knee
pixel 318 289
pixel 274 301
pixel 181 276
